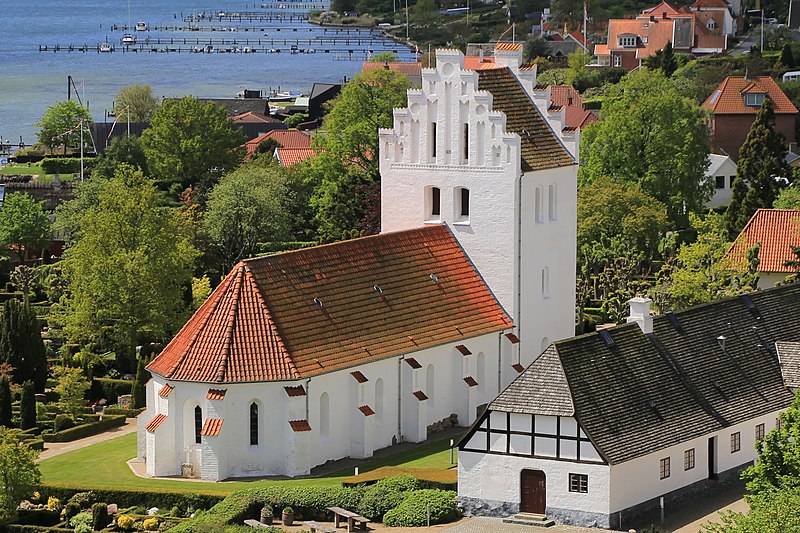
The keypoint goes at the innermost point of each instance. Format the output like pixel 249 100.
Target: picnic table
pixel 316 526
pixel 350 516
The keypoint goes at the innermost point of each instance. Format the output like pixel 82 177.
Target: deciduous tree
pixel 24 225
pixel 18 471
pixel 71 389
pixel 137 99
pixel 60 118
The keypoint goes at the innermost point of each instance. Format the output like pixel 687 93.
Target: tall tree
pixel 24 225
pixel 59 126
pixel 651 135
pixel 5 402
pixel 247 207
pixel 21 344
pixel 123 149
pixel 786 58
pixel 129 269
pixel 137 99
pixel 18 471
pixel 762 169
pixel 27 406
pixel 71 389
pixel 664 60
pixel 190 143
pixel 138 391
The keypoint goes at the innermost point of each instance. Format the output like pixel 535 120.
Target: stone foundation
pixel 479 507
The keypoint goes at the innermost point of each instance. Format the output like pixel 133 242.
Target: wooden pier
pixel 286 46
pixel 254 29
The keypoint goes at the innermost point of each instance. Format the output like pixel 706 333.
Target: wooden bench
pixel 254 523
pixel 315 526
pixel 350 516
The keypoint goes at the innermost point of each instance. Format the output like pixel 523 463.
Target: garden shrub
pixel 81 520
pixel 150 524
pixel 71 509
pixel 125 522
pixel 413 511
pixel 100 516
pixel 63 422
pixel 385 495
pixel 427 478
pixel 130 497
pixel 403 482
pixel 65 165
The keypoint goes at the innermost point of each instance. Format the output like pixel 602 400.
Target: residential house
pixel 336 351
pixel 608 425
pixel 721 172
pixel 284 138
pixel 631 41
pixel 733 107
pixel 288 157
pixel 777 230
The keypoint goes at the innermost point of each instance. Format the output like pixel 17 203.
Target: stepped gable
pixel 312 311
pixel 635 394
pixel 539 147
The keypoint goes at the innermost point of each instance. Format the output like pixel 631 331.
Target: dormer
pixel 754 95
pixel 627 40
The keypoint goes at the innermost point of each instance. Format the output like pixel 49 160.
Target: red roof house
pixel 285 138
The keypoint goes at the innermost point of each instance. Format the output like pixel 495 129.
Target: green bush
pixel 385 495
pixel 100 516
pixel 63 422
pixel 65 165
pixel 85 430
pixel 109 389
pixel 413 511
pixel 402 483
pixel 129 498
pixel 128 413
pixel 81 519
pixel 71 509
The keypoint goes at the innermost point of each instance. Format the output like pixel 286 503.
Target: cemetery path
pixel 57 448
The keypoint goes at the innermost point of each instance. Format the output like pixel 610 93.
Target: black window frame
pixel 254 424
pixel 689 459
pixel 664 468
pixel 736 441
pixel 579 483
pixel 436 202
pixel 720 182
pixel 198 424
pixel 760 431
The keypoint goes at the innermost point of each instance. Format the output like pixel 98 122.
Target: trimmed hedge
pixel 85 430
pixel 428 478
pixel 109 389
pixel 18 528
pixel 128 413
pixel 413 512
pixel 163 499
pixel 65 165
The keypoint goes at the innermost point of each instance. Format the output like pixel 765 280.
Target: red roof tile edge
pixel 216 394
pixel 469 380
pixel 420 395
pixel 413 363
pixel 361 378
pixel 463 349
pixel 518 367
pixel 166 390
pixel 513 338
pixel 155 422
pixel 300 425
pixel 366 410
pixel 211 427
pixel 295 391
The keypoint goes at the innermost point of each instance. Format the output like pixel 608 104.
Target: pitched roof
pixel 312 311
pixel 407 68
pixel 578 37
pixel 564 95
pixel 211 427
pixel 155 422
pixel 657 32
pixel 540 148
pixel 727 98
pixel 715 162
pixel 286 138
pixel 508 46
pixel 478 63
pixel 257 118
pixel 663 7
pixel 292 156
pixel 166 390
pixel 300 425
pixel 710 3
pixel 636 394
pixel 789 356
pixel 777 230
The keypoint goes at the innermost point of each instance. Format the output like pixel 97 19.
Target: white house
pixel 335 351
pixel 601 426
pixel 721 172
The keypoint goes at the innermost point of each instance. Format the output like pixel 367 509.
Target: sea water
pixel 31 81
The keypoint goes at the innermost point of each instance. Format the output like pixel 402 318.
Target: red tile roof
pixel 262 322
pixel 508 46
pixel 361 378
pixel 518 367
pixel 166 390
pixel 777 230
pixel 475 63
pixel 155 422
pixel 469 380
pixel 211 427
pixel 513 338
pixel 216 394
pixel 565 95
pixel 419 395
pixel 300 425
pixel 254 118
pixel 463 349
pixel 727 99
pixel 291 156
pixel 285 138
pixel 577 118
pixel 295 391
pixel 663 7
pixel 577 36
pixel 406 68
pixel 366 410
pixel 413 363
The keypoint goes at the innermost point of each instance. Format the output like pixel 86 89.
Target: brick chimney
pixel 640 313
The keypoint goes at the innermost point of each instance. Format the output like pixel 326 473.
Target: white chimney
pixel 640 313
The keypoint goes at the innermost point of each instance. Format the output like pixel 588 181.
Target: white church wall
pixel 637 481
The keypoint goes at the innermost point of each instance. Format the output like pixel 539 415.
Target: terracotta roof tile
pixel 407 68
pixel 463 349
pixel 251 117
pixel 508 46
pixel 469 380
pixel 291 156
pixel 361 378
pixel 777 230
pixel 211 427
pixel 476 63
pixel 366 410
pixel 577 36
pixel 513 338
pixel 413 363
pixel 261 323
pixel 166 390
pixel 285 138
pixel 295 391
pixel 155 422
pixel 540 147
pixel 518 367
pixel 300 425
pixel 560 96
pixel 419 395
pixel 727 98
pixel 216 394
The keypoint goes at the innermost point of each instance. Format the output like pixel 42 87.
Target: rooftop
pixel 777 230
pixel 727 98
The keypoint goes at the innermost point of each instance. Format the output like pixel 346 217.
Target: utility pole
pixel 80 124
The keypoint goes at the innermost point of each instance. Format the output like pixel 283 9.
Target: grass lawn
pixel 103 466
pixel 21 169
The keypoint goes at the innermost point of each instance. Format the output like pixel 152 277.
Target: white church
pixel 335 351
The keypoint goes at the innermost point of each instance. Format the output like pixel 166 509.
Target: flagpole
pixel 129 119
pixel 585 23
pixel 80 124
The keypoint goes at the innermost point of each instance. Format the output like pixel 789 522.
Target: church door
pixel 532 498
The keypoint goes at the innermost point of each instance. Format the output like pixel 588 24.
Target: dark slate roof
pixel 540 147
pixel 541 389
pixel 237 106
pixel 789 356
pixel 638 394
pixel 49 193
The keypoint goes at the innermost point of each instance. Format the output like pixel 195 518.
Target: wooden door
pixel 532 498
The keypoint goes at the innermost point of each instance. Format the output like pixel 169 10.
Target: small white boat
pixel 142 26
pixel 128 39
pixel 106 47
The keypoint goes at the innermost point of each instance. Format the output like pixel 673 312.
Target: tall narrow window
pixel 551 202
pixel 537 204
pixel 664 468
pixel 465 202
pixel 688 459
pixel 736 442
pixel 461 204
pixel 466 143
pixel 433 142
pixel 433 204
pixel 546 282
pixel 198 424
pixel 254 424
pixel 759 432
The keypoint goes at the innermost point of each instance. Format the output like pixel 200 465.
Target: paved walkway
pixel 57 448
pixel 496 525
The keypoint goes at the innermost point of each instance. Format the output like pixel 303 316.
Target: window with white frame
pixel 627 40
pixel 254 424
pixel 433 204
pixel 754 99
pixel 736 442
pixel 711 24
pixel 664 468
pixel 617 61
pixel 688 459
pixel 551 202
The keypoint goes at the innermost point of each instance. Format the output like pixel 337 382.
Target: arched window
pixel 198 424
pixel 429 386
pixel 433 204
pixel 551 202
pixel 254 424
pixel 379 401
pixel 461 204
pixel 324 415
pixel 544 345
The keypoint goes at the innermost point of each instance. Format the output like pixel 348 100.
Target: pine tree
pixel 786 58
pixel 27 406
pixel 761 168
pixel 139 395
pixel 5 402
pixel 668 63
pixel 21 343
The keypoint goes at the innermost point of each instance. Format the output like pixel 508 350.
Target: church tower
pixel 472 151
